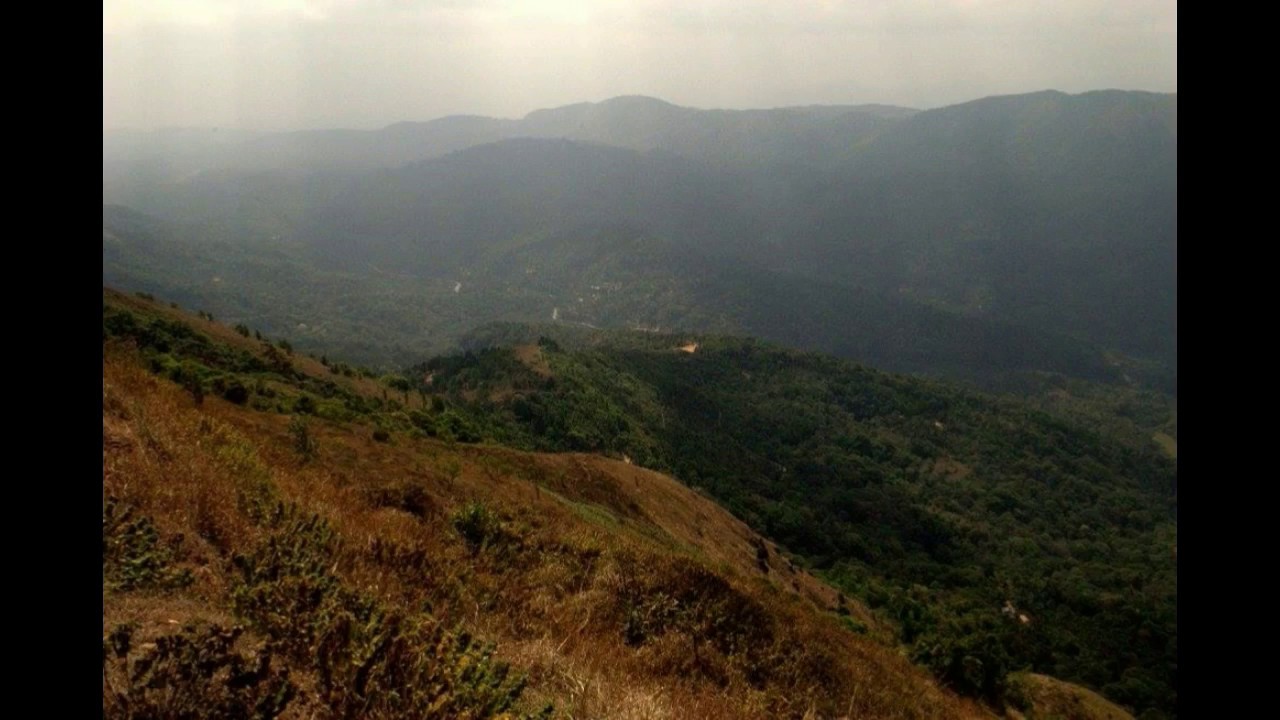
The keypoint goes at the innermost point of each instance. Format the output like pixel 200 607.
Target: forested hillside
pixel 1020 533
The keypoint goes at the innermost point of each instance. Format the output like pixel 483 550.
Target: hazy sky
pixel 284 64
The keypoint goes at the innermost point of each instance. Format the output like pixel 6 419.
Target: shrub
pixel 193 674
pixel 697 623
pixel 1019 692
pixel 234 391
pixel 407 496
pixel 452 425
pixel 968 660
pixel 133 555
pixel 305 404
pixel 479 526
pixel 369 661
pixel 303 443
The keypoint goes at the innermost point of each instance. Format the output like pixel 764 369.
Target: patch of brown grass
pixel 531 356
pixel 1053 698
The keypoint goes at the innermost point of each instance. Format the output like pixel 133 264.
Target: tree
pixel 398 383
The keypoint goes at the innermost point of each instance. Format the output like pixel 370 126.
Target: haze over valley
pixel 1040 230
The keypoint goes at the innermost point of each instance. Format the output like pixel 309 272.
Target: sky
pixel 298 64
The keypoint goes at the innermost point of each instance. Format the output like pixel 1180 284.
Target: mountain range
pixel 1032 232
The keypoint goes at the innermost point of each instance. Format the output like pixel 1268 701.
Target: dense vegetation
pixel 286 554
pixel 606 278
pixel 1020 233
pixel 998 533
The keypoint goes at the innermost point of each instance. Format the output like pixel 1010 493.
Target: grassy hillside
pixel 280 538
pixel 997 533
pixel 1041 696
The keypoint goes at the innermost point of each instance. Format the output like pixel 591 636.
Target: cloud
pixel 314 63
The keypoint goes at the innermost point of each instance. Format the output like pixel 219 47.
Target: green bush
pixel 970 661
pixel 303 443
pixel 479 526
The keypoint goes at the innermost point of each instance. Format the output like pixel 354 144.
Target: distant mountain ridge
pixel 636 122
